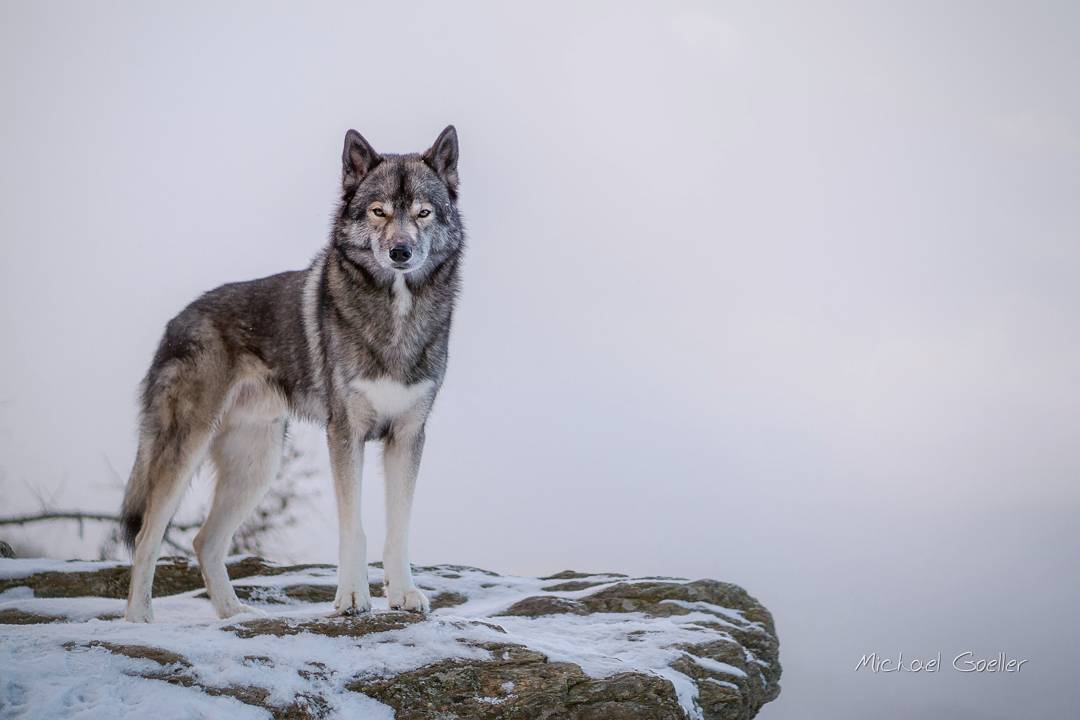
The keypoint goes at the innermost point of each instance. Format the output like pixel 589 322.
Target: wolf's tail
pixel 136 497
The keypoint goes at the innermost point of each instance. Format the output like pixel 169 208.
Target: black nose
pixel 400 253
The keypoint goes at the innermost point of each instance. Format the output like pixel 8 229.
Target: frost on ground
pixel 572 645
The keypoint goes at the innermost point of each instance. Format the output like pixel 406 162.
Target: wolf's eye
pixel 423 213
pixel 378 212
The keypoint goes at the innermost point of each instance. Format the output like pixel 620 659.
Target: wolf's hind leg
pixel 246 456
pixel 174 461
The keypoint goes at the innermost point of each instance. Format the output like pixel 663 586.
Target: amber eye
pixel 423 213
pixel 378 212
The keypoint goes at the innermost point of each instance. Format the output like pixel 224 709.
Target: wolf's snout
pixel 400 253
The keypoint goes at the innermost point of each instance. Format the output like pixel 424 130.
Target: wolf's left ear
pixel 358 159
pixel 442 157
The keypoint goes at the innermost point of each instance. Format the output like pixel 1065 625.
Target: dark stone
pixel 574 585
pixel 136 652
pixel 175 670
pixel 447 599
pixel 545 605
pixel 357 626
pixel 12 616
pixel 575 575
pixel 173 575
pixel 449 570
pixel 520 683
pixel 281 594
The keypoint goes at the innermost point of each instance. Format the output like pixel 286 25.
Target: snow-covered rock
pixel 572 645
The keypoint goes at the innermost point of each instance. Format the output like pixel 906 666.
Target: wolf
pixel 357 342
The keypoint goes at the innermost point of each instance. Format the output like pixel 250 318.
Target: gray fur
pixel 246 355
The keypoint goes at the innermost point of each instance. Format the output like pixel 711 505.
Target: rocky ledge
pixel 573 645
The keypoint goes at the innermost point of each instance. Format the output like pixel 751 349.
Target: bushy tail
pixel 136 497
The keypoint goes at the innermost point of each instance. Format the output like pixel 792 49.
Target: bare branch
pixel 175 545
pixel 78 517
pixel 277 511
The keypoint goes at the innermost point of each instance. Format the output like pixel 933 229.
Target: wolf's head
pixel 399 212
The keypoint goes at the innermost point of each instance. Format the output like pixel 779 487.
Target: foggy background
pixel 781 294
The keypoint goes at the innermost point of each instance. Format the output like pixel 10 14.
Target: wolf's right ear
pixel 357 160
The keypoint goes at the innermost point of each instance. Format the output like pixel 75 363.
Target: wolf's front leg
pixel 346 461
pixel 401 459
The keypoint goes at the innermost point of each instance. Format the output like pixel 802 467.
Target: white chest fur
pixel 389 399
pixel 402 296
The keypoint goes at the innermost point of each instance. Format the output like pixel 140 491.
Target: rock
pixel 575 575
pixel 5 550
pixel 447 599
pixel 573 585
pixel 161 657
pixel 306 593
pixel 614 648
pixel 545 605
pixel 177 670
pixel 299 592
pixel 173 575
pixel 357 626
pixel 521 683
pixel 14 616
pixel 450 570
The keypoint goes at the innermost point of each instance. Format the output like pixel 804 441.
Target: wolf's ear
pixel 357 160
pixel 442 158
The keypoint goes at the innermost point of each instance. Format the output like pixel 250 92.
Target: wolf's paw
pixel 409 598
pixel 355 602
pixel 139 614
pixel 240 609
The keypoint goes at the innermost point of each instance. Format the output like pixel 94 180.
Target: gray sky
pixel 780 294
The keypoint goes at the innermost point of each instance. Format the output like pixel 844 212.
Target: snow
pixel 717 666
pixel 24 567
pixel 39 678
pixel 722 683
pixel 710 608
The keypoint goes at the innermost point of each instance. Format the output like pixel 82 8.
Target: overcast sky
pixel 778 294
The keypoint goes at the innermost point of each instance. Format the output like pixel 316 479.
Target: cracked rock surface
pixel 572 645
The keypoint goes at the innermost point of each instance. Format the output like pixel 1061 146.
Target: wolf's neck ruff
pixel 395 327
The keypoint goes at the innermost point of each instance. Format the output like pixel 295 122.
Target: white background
pixel 782 294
